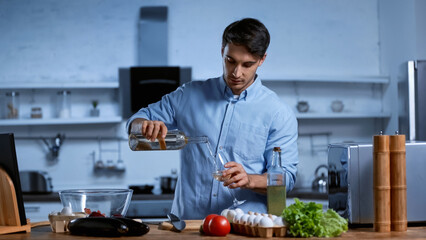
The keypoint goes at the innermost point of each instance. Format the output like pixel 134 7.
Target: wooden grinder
pixel 9 213
pixel 381 183
pixel 398 183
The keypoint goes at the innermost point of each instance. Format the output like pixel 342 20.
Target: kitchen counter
pixel 302 193
pixel 54 197
pixel 38 206
pixel 307 193
pixel 361 233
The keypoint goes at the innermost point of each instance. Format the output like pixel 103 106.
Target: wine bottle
pixel 174 140
pixel 276 185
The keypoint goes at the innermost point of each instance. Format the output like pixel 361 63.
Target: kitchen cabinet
pixel 372 93
pixel 39 211
pixel 369 92
pixel 370 98
pixel 82 95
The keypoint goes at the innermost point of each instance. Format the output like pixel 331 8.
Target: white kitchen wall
pixel 87 41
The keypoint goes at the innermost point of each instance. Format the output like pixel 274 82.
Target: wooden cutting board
pixel 191 225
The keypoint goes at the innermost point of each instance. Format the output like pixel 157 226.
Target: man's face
pixel 239 67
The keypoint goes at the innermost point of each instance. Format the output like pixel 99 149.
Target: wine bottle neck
pixel 276 159
pixel 196 139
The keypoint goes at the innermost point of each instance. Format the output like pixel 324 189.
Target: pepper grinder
pixel 398 183
pixel 381 183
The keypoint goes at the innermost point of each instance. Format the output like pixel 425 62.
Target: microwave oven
pixel 140 86
pixel 350 181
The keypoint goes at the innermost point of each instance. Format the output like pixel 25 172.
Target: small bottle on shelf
pixel 12 105
pixel 64 104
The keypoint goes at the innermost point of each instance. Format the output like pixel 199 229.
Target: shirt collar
pixel 249 92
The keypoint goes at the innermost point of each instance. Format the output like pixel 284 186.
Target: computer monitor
pixel 9 163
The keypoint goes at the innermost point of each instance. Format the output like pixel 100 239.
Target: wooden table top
pixel 45 232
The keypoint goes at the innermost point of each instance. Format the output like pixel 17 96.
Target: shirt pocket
pixel 249 141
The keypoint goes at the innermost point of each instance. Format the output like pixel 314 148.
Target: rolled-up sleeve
pixel 283 133
pixel 163 110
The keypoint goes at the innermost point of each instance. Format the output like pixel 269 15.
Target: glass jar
pixel 64 104
pixel 36 112
pixel 12 105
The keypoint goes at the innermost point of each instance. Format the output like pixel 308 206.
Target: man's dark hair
pixel 248 32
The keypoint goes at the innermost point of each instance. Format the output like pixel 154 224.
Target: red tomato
pixel 206 222
pixel 219 226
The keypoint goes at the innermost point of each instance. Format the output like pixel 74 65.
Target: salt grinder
pixel 398 183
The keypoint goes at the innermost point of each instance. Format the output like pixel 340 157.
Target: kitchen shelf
pixel 337 79
pixel 341 115
pixel 58 121
pixel 59 85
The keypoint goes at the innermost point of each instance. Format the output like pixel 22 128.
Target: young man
pixel 242 118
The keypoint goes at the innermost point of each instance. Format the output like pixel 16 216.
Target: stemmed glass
pixel 220 161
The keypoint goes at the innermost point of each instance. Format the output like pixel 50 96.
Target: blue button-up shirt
pixel 246 128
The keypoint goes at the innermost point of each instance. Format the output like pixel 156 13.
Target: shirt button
pixel 214 195
pixel 220 147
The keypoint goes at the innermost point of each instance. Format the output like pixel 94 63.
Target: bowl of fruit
pixel 97 202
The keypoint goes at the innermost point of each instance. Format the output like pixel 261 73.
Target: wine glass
pixel 220 162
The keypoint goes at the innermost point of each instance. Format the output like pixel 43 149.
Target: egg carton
pixel 59 223
pixel 256 231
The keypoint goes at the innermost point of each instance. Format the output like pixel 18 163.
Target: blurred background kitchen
pixel 338 63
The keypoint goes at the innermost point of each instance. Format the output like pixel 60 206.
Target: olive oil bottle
pixel 276 185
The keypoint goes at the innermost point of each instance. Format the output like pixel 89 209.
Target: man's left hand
pixel 238 176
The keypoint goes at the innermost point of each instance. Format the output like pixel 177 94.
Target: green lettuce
pixel 309 220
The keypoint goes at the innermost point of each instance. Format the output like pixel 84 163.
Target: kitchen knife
pixel 176 222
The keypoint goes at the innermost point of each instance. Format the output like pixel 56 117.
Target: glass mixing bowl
pixel 108 202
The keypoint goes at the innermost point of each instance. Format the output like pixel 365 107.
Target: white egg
pixel 264 214
pixel 237 217
pixel 224 212
pixel 239 210
pixel 273 217
pixel 244 219
pixel 257 220
pixel 251 220
pixel 66 211
pixel 230 215
pixel 278 221
pixel 266 222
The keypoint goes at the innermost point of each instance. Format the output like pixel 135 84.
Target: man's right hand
pixel 149 129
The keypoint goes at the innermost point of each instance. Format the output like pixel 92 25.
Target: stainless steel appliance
pixel 140 86
pixel 35 182
pixel 350 179
pixel 412 98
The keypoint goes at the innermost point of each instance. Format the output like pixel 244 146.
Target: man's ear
pixel 262 59
pixel 221 50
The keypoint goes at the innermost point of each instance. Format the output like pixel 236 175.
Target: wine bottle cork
pixel 398 183
pixel 381 183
